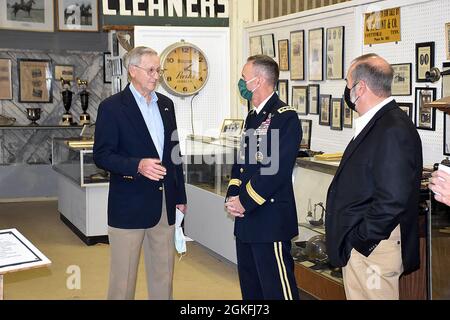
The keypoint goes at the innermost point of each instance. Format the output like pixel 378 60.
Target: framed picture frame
pixel 445 92
pixel 283 54
pixel 27 15
pixel 255 45
pixel 76 15
pixel 407 107
pixel 425 117
pixel 283 90
pixel 297 55
pixel 116 84
pixel 107 67
pixel 446 144
pixel 424 60
pixel 447 40
pixel 347 116
pixel 402 82
pixel 64 71
pixel 315 54
pixel 6 92
pixel 300 99
pixel 306 125
pixel 324 109
pixel 35 80
pixel 231 128
pixel 335 53
pixel 313 97
pixel 336 114
pixel 268 45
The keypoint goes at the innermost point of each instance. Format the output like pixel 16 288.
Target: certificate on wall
pixel 315 54
pixel 335 53
pixel 424 60
pixel 255 45
pixel 297 57
pixel 283 54
pixel 5 80
pixel 401 83
pixel 17 253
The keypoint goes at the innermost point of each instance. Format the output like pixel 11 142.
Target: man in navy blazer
pixel 136 141
pixel 373 200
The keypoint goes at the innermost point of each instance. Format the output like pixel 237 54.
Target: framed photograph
pixel 297 55
pixel 425 117
pixel 306 125
pixel 300 99
pixel 77 15
pixel 348 116
pixel 268 45
pixel 336 114
pixel 231 127
pixel 283 89
pixel 424 60
pixel 401 84
pixel 313 97
pixel 335 53
pixel 447 40
pixel 28 15
pixel 324 109
pixel 315 54
pixel 65 72
pixel 107 67
pixel 283 54
pixel 6 79
pixel 255 45
pixel 35 80
pixel 116 85
pixel 407 107
pixel 446 134
pixel 445 81
pixel 115 44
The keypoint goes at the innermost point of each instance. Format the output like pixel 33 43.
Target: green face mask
pixel 245 93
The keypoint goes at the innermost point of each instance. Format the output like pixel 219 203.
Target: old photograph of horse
pixel 77 12
pixel 26 10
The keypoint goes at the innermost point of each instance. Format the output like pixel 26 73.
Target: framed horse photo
pixel 78 15
pixel 28 15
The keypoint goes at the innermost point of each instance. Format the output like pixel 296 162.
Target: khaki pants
pixel 375 277
pixel 159 254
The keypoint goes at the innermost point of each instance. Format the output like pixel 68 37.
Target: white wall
pixel 421 21
pixel 212 104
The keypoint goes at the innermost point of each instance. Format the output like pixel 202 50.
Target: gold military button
pixel 242 170
pixel 160 188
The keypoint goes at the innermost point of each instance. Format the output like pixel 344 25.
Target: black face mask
pixel 348 99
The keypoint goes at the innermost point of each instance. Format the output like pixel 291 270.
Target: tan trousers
pixel 375 277
pixel 125 246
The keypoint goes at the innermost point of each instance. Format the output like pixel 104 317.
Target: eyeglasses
pixel 152 71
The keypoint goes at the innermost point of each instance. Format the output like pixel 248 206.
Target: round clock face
pixel 185 69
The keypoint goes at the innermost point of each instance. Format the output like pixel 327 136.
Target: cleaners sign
pixel 382 26
pixel 204 13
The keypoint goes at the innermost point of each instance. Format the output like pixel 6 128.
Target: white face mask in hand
pixel 180 240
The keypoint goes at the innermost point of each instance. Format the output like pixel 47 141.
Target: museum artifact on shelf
pixel 67 118
pixel 85 118
pixel 33 114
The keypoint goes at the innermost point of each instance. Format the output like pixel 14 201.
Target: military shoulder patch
pixel 287 108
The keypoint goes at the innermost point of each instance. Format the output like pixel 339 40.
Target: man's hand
pixel 234 207
pixel 440 185
pixel 182 208
pixel 152 169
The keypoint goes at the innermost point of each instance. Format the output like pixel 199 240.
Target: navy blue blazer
pixel 121 141
pixel 268 197
pixel 375 188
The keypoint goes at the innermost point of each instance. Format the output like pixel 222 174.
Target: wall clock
pixel 185 69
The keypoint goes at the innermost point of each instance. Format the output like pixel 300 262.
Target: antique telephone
pixel 309 215
pixel 435 74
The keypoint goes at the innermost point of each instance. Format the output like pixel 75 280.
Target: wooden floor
pixel 199 275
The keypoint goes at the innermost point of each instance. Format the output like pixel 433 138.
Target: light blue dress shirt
pixel 152 117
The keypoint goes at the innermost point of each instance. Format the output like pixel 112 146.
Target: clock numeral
pixel 200 59
pixel 201 78
pixel 170 60
pixel 169 79
pixel 185 89
pixel 185 50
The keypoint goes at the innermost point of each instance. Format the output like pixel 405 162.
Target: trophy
pixel 67 118
pixel 33 114
pixel 84 97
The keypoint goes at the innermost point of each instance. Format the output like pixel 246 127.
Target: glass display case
pixel 208 162
pixel 73 158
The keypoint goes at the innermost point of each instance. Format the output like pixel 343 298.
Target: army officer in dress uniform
pixel 260 194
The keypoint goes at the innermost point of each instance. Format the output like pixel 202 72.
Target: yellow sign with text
pixel 382 26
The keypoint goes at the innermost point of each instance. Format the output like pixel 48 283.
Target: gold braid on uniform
pixel 235 182
pixel 254 195
pixel 287 108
